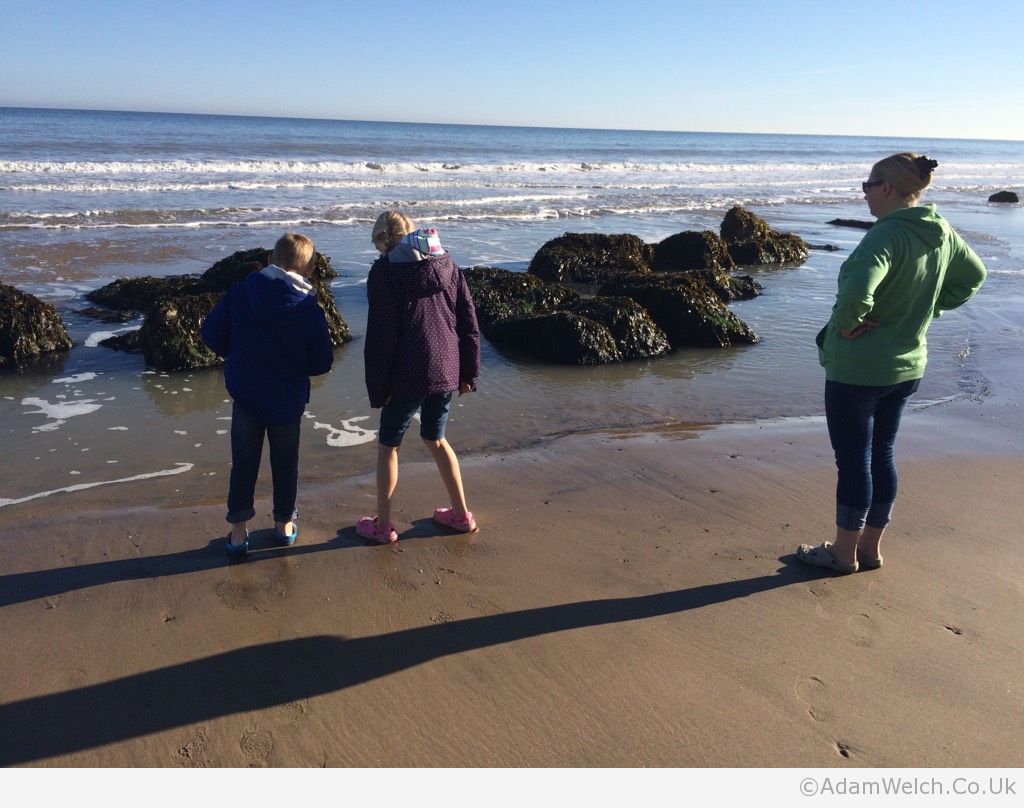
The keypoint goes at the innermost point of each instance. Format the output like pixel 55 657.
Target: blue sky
pixel 938 69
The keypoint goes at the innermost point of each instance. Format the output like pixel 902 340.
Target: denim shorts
pixel 397 414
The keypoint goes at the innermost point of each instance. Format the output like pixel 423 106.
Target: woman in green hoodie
pixel 909 268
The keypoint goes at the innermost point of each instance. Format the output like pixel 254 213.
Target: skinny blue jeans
pixel 862 425
pixel 247 431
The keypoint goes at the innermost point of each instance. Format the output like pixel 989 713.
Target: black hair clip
pixel 925 166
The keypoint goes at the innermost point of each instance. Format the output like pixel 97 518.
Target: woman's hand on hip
pixel 859 330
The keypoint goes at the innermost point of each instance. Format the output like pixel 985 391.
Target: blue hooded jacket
pixel 273 336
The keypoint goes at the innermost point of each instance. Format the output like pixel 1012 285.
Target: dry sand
pixel 631 600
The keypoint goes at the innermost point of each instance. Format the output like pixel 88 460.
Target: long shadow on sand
pixel 262 676
pixel 23 586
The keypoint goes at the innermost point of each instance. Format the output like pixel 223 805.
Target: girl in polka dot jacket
pixel 422 345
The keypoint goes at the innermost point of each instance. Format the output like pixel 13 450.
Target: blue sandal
pixel 237 551
pixel 287 541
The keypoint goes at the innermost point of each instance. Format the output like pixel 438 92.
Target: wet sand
pixel 631 600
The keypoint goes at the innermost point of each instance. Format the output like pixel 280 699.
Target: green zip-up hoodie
pixel 909 268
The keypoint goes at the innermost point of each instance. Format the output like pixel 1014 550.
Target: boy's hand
pixel 465 387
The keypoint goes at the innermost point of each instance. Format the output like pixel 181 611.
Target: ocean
pixel 88 196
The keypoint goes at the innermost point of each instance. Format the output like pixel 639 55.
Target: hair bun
pixel 925 166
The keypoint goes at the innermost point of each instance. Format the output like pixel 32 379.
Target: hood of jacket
pixel 420 278
pixel 273 293
pixel 923 221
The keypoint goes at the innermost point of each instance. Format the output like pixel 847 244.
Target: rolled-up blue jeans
pixel 247 431
pixel 862 425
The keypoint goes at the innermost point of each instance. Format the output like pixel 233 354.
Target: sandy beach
pixel 631 599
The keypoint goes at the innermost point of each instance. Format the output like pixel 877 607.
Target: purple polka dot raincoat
pixel 421 331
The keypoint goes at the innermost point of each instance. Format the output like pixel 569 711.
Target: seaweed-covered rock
pixel 590 257
pixel 336 325
pixel 128 342
pixel 860 224
pixel 105 315
pixel 139 295
pixel 236 267
pixel 501 293
pixel 636 335
pixel 170 337
pixel 239 265
pixel 229 271
pixel 1005 197
pixel 740 225
pixel 29 328
pixel 744 287
pixel 728 287
pixel 685 306
pixel 561 337
pixel 752 240
pixel 785 249
pixel 692 250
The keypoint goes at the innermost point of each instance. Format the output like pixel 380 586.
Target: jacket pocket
pixel 821 340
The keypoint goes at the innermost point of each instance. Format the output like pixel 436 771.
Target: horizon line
pixel 499 125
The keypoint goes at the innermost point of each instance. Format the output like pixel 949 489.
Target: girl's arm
pixel 469 335
pixel 383 331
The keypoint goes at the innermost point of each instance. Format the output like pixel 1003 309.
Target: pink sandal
pixel 368 529
pixel 460 524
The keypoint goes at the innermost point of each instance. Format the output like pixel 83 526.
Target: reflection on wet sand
pixel 71 256
pixel 176 394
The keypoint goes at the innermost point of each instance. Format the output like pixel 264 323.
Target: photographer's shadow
pixel 284 671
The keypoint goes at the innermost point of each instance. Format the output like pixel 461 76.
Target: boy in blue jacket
pixel 273 335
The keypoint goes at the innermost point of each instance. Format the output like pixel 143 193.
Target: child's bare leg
pixel 448 465
pixel 387 480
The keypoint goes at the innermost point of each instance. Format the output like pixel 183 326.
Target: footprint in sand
pixel 76 678
pixel 813 692
pixel 400 584
pixel 235 595
pixel 478 605
pixel 254 590
pixel 456 573
pixel 821 592
pixel 193 753
pixel 257 745
pixel 866 630
pixel 293 712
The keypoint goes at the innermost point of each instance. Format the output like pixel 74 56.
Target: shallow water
pixel 96 416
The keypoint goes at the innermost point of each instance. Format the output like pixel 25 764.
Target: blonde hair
pixel 907 173
pixel 293 252
pixel 389 228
